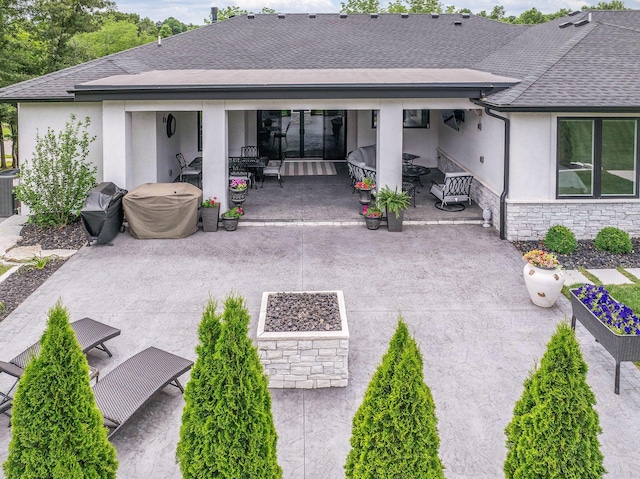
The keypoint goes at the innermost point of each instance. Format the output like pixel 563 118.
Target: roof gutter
pixel 559 108
pixel 505 180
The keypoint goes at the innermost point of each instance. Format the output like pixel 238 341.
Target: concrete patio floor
pixel 459 288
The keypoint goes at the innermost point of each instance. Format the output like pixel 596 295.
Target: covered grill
pixel 102 215
pixel 162 210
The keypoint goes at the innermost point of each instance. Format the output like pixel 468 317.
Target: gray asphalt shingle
pixel 593 65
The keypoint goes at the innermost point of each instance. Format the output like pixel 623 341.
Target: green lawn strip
pixel 590 277
pixel 4 269
pixel 628 275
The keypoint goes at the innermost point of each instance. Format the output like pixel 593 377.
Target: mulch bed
pixel 17 287
pixel 587 256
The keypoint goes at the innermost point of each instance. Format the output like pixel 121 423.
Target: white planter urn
pixel 544 284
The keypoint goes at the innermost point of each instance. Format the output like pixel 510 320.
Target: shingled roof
pixel 573 63
pixel 551 61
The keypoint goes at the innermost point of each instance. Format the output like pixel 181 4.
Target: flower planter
pixel 210 218
pixel 364 196
pixel 543 284
pixel 230 224
pixel 394 223
pixel 372 223
pixel 621 347
pixel 237 196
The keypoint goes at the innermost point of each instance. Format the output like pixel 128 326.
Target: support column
pixel 215 172
pixel 117 147
pixel 389 144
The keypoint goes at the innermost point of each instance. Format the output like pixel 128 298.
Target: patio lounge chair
pixel 455 190
pixel 90 333
pixel 130 385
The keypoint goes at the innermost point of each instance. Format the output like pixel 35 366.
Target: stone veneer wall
pixel 307 359
pixel 531 220
pixel 480 194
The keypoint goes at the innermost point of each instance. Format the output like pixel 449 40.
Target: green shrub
pixel 555 427
pixel 55 182
pixel 227 428
pixel 613 240
pixel 56 427
pixel 394 431
pixel 560 239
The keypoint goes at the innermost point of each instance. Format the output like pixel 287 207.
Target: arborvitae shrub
pixel 227 427
pixel 555 427
pixel 394 431
pixel 56 427
pixel 613 240
pixel 560 239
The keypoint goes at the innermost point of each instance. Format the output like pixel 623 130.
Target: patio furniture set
pixel 124 389
pixel 452 193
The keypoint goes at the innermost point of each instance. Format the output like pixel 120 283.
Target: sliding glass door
pixel 302 133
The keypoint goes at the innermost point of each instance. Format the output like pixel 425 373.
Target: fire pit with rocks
pixel 303 339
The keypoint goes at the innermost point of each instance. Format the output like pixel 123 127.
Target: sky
pixel 193 11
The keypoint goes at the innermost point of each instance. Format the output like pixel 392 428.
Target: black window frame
pixel 597 157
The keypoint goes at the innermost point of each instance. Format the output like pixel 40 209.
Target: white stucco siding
pixel 144 148
pixel 477 150
pixel 532 163
pixel 36 118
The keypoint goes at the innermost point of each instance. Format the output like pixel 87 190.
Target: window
pixel 597 157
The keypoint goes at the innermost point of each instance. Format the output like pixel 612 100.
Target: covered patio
pixel 330 198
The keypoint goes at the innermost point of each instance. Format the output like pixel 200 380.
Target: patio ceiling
pixel 303 83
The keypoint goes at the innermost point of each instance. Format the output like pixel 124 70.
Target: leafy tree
pixel 360 6
pixel 394 431
pixel 176 25
pixel 267 11
pixel 113 36
pixel 227 427
pixel 555 427
pixel 55 22
pixel 613 5
pixel 230 11
pixel 56 427
pixel 56 181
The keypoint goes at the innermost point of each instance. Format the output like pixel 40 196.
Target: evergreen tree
pixel 227 427
pixel 554 431
pixel 57 429
pixel 394 431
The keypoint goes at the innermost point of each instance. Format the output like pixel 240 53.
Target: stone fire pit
pixel 303 339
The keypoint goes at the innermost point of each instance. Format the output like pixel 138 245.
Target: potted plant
pixel 543 277
pixel 364 188
pixel 238 190
pixel 394 202
pixel 611 323
pixel 231 217
pixel 372 217
pixel 209 210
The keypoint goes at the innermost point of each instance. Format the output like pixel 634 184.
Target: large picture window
pixel 597 157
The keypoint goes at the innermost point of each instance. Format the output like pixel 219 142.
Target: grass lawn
pixel 4 269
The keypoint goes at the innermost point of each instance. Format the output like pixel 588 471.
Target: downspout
pixel 505 180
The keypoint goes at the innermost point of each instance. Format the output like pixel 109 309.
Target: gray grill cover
pixel 102 213
pixel 162 210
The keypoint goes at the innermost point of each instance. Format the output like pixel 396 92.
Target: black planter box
pixel 621 347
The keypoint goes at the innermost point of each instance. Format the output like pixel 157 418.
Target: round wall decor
pixel 171 125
